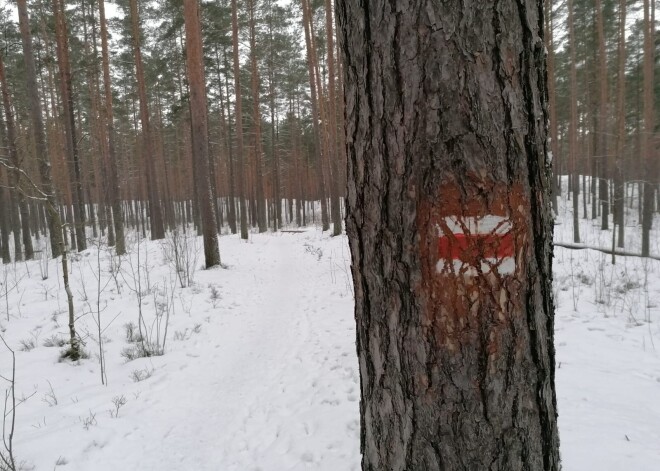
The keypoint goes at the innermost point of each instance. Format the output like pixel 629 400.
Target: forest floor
pixel 259 370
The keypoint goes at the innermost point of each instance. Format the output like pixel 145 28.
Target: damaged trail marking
pixel 472 245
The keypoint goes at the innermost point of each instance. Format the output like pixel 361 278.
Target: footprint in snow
pixel 353 426
pixel 330 402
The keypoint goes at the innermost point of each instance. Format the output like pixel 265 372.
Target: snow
pixel 260 369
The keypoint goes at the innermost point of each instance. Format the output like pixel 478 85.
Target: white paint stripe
pixel 488 224
pixel 504 266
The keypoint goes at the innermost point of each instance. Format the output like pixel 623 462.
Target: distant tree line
pixel 603 69
pixel 103 115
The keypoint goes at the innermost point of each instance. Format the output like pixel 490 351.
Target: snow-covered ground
pixel 260 369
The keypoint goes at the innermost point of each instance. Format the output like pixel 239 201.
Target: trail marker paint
pixel 472 245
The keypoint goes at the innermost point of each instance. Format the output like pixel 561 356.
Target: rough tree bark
pixel 199 127
pixel 450 229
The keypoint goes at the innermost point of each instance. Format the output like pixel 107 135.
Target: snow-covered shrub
pixel 181 251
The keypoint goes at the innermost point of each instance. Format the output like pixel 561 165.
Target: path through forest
pixel 260 370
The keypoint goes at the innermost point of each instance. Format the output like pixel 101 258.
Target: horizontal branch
pixel 622 253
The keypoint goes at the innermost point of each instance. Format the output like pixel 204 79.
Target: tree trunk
pixel 26 232
pixel 199 128
pixel 602 130
pixel 8 206
pixel 333 155
pixel 647 136
pixel 572 129
pixel 552 105
pixel 98 178
pixel 41 150
pixel 315 94
pixel 240 170
pixel 4 226
pixel 619 206
pixel 155 210
pixel 70 139
pixel 256 122
pixel 227 135
pixel 115 196
pixel 13 205
pixel 273 131
pixel 450 229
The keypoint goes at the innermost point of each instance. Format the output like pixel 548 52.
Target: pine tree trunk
pixel 603 116
pixel 572 128
pixel 648 151
pixel 333 155
pixel 273 132
pixel 98 176
pixel 36 119
pixel 240 170
pixel 619 205
pixel 115 193
pixel 199 127
pixel 155 211
pixel 450 229
pixel 552 105
pixel 227 137
pixel 70 139
pixel 256 122
pixel 4 225
pixel 7 204
pixel 26 231
pixel 315 94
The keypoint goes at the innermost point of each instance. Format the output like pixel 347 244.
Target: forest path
pixel 257 389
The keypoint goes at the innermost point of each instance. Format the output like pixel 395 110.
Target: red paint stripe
pixel 482 245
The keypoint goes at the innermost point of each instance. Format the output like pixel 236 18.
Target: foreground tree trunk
pixel 450 229
pixel 200 135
